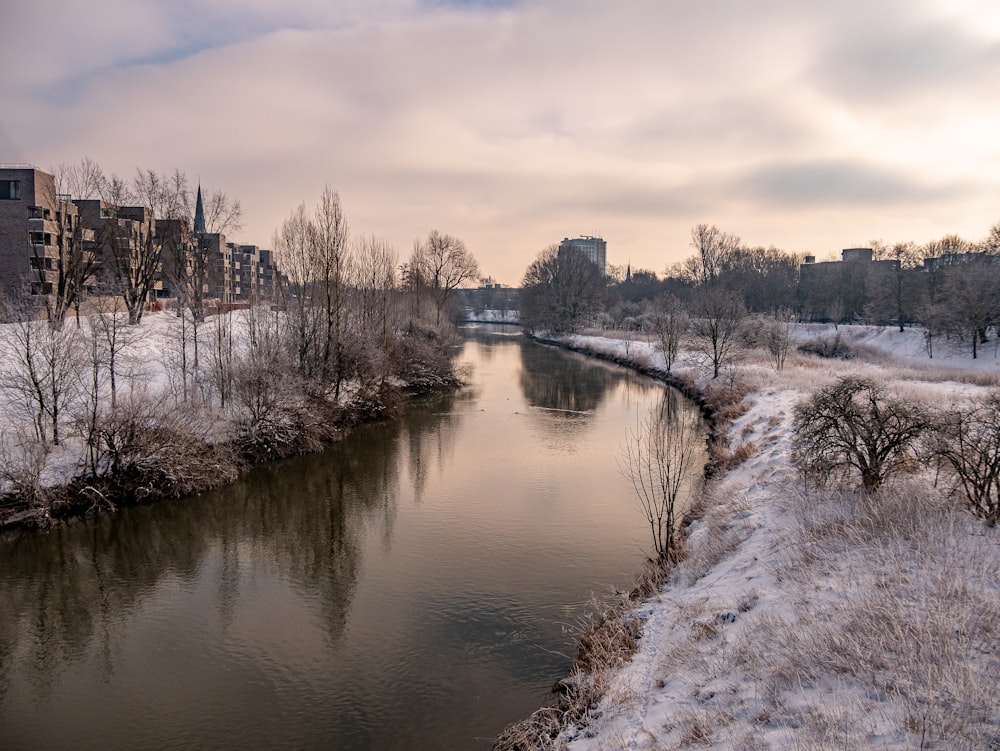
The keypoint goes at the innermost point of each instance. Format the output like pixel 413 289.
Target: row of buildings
pixel 50 241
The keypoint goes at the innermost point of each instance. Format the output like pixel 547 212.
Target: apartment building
pixel 595 248
pixel 42 240
pixel 50 242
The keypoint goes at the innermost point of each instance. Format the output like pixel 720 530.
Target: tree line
pixel 956 298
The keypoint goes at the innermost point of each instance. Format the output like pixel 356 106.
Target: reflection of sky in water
pixel 410 587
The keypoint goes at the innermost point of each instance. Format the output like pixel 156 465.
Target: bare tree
pixel 992 242
pixel 659 459
pixel 222 357
pixel 777 336
pixel 714 250
pixel 293 245
pixel 374 279
pixel 560 289
pixel 41 374
pixel 669 322
pixel 83 179
pixel 62 279
pixel 896 294
pixel 967 444
pixel 971 301
pixel 222 213
pixel 330 260
pixel 443 264
pixel 852 425
pixel 191 260
pixel 716 325
pixel 126 237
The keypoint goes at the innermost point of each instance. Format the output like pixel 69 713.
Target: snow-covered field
pixel 816 619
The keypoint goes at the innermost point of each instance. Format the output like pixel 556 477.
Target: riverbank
pixel 800 618
pixel 161 439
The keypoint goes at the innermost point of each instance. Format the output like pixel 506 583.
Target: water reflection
pixel 578 385
pixel 407 588
pixel 65 591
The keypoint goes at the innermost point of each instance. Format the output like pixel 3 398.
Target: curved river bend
pixel 416 586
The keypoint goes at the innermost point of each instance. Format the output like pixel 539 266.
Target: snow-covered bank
pixel 491 315
pixel 808 619
pixel 97 414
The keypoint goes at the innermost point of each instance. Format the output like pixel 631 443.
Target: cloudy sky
pixel 514 123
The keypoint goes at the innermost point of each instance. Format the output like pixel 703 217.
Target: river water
pixel 417 586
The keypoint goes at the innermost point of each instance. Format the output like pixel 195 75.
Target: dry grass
pixel 721 528
pixel 875 621
pixel 907 648
pixel 725 459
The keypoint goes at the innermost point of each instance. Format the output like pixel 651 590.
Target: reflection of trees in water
pixel 68 592
pixel 429 439
pixel 490 338
pixel 566 389
pixel 568 382
pixel 61 590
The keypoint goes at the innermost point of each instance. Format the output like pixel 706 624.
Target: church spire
pixel 199 212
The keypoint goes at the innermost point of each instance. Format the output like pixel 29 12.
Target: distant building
pixel 42 232
pixel 254 274
pixel 595 248
pixel 947 260
pixel 117 235
pixel 839 290
pixel 38 228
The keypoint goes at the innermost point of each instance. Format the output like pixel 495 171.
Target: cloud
pixel 885 64
pixel 834 183
pixel 513 124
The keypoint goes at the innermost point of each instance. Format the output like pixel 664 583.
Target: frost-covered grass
pixel 803 618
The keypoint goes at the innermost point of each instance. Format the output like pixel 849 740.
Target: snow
pixel 491 315
pixel 802 620
pixel 147 369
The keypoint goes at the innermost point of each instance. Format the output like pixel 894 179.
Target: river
pixel 416 586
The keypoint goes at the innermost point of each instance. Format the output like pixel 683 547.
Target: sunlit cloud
pixel 514 124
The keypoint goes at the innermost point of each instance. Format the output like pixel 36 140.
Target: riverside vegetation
pixel 99 413
pixel 831 588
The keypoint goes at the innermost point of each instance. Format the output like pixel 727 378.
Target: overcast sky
pixel 809 126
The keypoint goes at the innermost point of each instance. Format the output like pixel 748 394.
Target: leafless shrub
pixel 148 451
pixel 22 461
pixel 725 459
pixel 659 459
pixel 966 443
pixel 725 400
pixel 853 426
pixel 828 347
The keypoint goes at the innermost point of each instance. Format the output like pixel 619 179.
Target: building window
pixel 10 190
